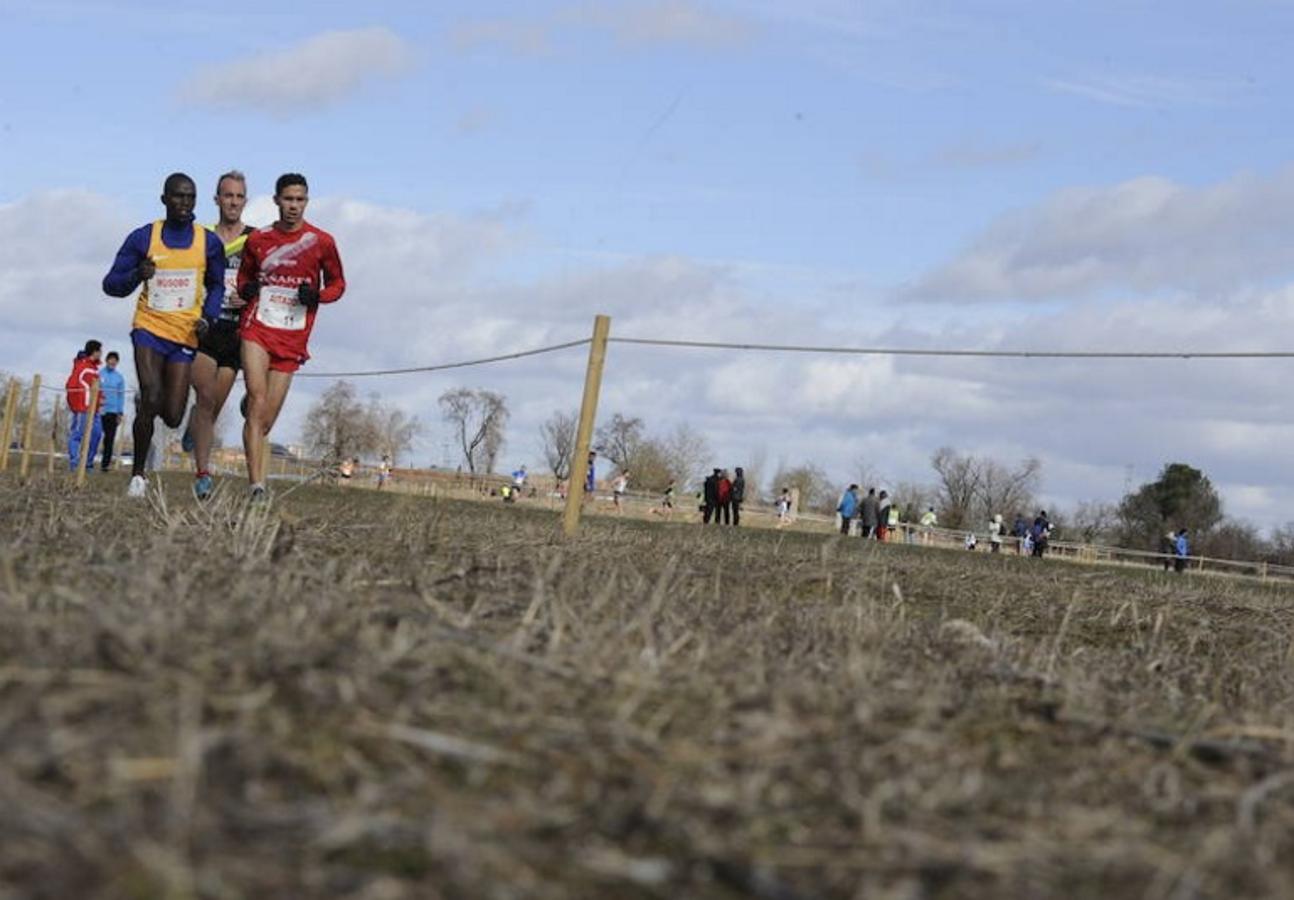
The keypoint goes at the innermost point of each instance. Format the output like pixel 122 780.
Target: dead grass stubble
pixel 365 696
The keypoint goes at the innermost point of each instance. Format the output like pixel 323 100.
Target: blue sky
pixel 970 174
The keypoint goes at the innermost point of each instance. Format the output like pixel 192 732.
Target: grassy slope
pixel 377 696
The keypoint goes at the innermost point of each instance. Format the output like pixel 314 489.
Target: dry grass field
pixel 365 695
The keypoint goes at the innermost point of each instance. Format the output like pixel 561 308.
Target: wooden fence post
pixel 588 414
pixel 87 433
pixel 33 405
pixel 53 435
pixel 10 413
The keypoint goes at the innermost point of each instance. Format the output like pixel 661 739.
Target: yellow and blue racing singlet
pixel 170 302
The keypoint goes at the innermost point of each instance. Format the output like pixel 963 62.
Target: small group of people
pixel 214 301
pixel 98 425
pixel 722 495
pixel 876 515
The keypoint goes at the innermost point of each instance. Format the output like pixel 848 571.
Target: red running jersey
pixel 280 262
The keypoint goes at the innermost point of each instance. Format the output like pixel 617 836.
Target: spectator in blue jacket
pixel 1181 549
pixel 113 385
pixel 847 507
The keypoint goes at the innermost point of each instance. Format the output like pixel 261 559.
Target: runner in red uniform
pixel 287 270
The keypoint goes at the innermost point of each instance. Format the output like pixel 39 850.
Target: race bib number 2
pixel 173 290
pixel 277 307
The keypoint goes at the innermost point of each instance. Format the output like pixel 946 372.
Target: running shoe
pixel 259 494
pixel 202 487
pixel 186 441
pixel 138 486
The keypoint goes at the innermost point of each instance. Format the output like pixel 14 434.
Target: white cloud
pixel 1145 234
pixel 287 83
pixel 665 22
pixel 647 23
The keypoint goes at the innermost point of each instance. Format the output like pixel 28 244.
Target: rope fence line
pixel 440 367
pixel 978 354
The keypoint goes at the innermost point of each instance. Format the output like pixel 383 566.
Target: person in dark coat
pixel 738 495
pixel 870 513
pixel 1040 532
pixel 710 498
pixel 723 496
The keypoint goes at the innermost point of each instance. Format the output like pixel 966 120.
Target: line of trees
pixel 653 461
pixel 967 489
pixel 339 425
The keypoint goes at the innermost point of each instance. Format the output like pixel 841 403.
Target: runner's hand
pixel 248 291
pixel 308 294
pixel 146 269
pixel 202 326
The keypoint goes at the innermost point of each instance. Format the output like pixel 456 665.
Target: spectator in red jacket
pixel 85 374
pixel 723 496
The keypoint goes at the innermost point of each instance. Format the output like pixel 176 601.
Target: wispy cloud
pixel 977 155
pixel 1147 91
pixel 647 23
pixel 320 70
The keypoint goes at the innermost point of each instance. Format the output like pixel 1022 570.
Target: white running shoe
pixel 138 486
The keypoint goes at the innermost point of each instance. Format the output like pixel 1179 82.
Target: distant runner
pixel 181 267
pixel 287 270
pixel 216 367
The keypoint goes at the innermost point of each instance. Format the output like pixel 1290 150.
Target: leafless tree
pixel 972 489
pixel 812 483
pixel 557 442
pixel 1092 522
pixel 756 466
pixel 1006 491
pixel 620 439
pixel 338 426
pixel 478 417
pixel 867 474
pixel 686 452
pixel 959 482
pixel 393 429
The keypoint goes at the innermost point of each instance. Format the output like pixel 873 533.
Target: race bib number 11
pixel 277 307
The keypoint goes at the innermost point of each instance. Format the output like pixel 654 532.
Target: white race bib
pixel 231 283
pixel 278 308
pixel 173 290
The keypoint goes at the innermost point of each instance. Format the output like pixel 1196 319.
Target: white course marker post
pixel 584 434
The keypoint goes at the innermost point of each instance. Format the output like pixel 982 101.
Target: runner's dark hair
pixel 286 181
pixel 92 346
pixel 173 178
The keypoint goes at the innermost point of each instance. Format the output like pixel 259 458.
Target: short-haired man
pixel 216 366
pixel 85 372
pixel 287 270
pixel 112 385
pixel 181 266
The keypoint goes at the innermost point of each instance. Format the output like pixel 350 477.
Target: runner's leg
pixel 175 392
pixel 213 385
pixel 266 391
pixel 149 365
pixel 256 378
